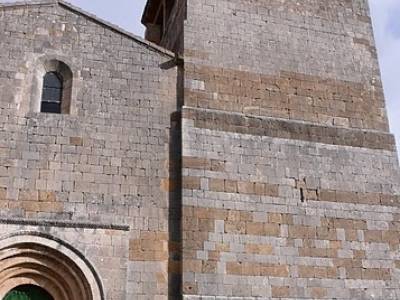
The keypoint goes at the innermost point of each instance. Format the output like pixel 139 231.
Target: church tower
pixel 290 178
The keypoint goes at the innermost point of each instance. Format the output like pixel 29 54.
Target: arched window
pixel 52 93
pixel 55 88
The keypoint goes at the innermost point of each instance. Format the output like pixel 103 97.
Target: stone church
pixel 241 151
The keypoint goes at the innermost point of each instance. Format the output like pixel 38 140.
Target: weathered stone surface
pixel 261 168
pixel 288 96
pixel 329 223
pixel 313 61
pixel 104 163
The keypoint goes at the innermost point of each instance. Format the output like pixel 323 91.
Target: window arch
pixel 56 88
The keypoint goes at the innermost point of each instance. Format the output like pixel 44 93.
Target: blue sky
pixel 386 19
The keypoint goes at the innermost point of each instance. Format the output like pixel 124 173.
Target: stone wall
pixel 311 60
pixel 277 180
pixel 283 217
pixel 290 178
pixel 107 162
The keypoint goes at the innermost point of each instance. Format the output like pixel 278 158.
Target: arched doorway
pixel 40 264
pixel 28 292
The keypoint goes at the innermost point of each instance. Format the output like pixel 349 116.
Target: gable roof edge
pixel 94 18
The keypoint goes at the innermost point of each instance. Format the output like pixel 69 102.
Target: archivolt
pixel 48 264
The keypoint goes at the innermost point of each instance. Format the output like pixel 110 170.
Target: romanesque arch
pixel 29 98
pixel 33 259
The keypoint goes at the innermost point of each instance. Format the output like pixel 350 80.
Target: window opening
pixel 52 93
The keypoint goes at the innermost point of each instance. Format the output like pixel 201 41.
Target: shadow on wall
pixel 175 208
